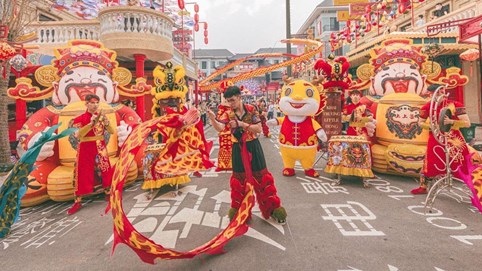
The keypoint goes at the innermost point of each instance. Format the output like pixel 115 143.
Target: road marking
pixel 397 197
pixel 464 238
pixel 352 228
pixel 351 269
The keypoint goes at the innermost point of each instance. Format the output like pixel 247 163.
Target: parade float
pixel 396 77
pixel 78 69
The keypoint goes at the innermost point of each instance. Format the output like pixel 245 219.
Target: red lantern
pixel 196 18
pixel 205 33
pixel 206 40
pixel 196 8
pixel 6 51
pixel 470 55
pixel 196 27
pixel 180 3
pixel 205 26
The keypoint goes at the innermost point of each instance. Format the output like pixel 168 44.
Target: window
pixel 213 64
pixel 204 65
pixel 44 18
pixel 404 28
pixel 330 24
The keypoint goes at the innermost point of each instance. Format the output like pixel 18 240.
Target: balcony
pixel 127 30
pixel 133 30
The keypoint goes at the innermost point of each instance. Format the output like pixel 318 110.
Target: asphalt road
pixel 345 227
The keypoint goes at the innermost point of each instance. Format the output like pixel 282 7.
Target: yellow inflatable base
pixel 60 185
pixel 383 155
pixel 34 201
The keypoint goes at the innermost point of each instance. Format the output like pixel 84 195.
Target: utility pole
pixel 288 34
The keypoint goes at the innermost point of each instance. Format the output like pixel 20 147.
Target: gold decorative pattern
pixel 431 69
pixel 122 76
pixel 46 75
pixel 365 72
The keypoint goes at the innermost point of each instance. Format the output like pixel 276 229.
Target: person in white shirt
pixel 420 21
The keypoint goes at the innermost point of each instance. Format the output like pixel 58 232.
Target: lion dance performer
pixel 248 160
pixel 360 119
pixel 224 133
pixel 92 161
pixel 263 112
pixel 81 68
pixel 193 151
pixel 434 163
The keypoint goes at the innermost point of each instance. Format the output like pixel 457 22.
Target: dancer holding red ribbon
pixel 248 160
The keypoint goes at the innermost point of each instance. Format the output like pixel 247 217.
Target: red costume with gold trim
pixel 298 134
pixel 191 151
pixel 434 163
pixel 225 143
pixel 92 155
pixel 353 113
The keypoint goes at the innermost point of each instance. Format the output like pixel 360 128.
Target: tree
pixel 16 15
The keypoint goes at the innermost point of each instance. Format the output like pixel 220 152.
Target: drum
pixel 349 155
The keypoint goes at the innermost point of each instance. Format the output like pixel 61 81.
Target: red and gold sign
pixel 344 15
pixel 347 2
pixel 330 118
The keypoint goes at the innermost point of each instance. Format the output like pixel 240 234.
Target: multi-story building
pixel 324 20
pixel 210 59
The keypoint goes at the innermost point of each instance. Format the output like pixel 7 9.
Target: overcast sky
pixel 243 26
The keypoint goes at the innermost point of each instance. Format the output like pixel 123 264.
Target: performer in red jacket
pixel 356 114
pixel 434 163
pixel 92 160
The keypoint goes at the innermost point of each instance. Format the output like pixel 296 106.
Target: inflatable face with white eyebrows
pixel 79 82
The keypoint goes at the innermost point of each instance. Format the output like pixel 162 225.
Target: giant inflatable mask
pixel 397 76
pixel 76 84
pixel 397 69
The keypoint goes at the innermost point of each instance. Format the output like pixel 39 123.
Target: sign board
pixel 470 29
pixel 358 9
pixel 344 15
pixel 347 2
pixel 330 118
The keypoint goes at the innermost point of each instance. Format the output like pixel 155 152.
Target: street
pixel 329 227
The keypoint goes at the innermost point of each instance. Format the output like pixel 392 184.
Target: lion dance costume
pixel 191 150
